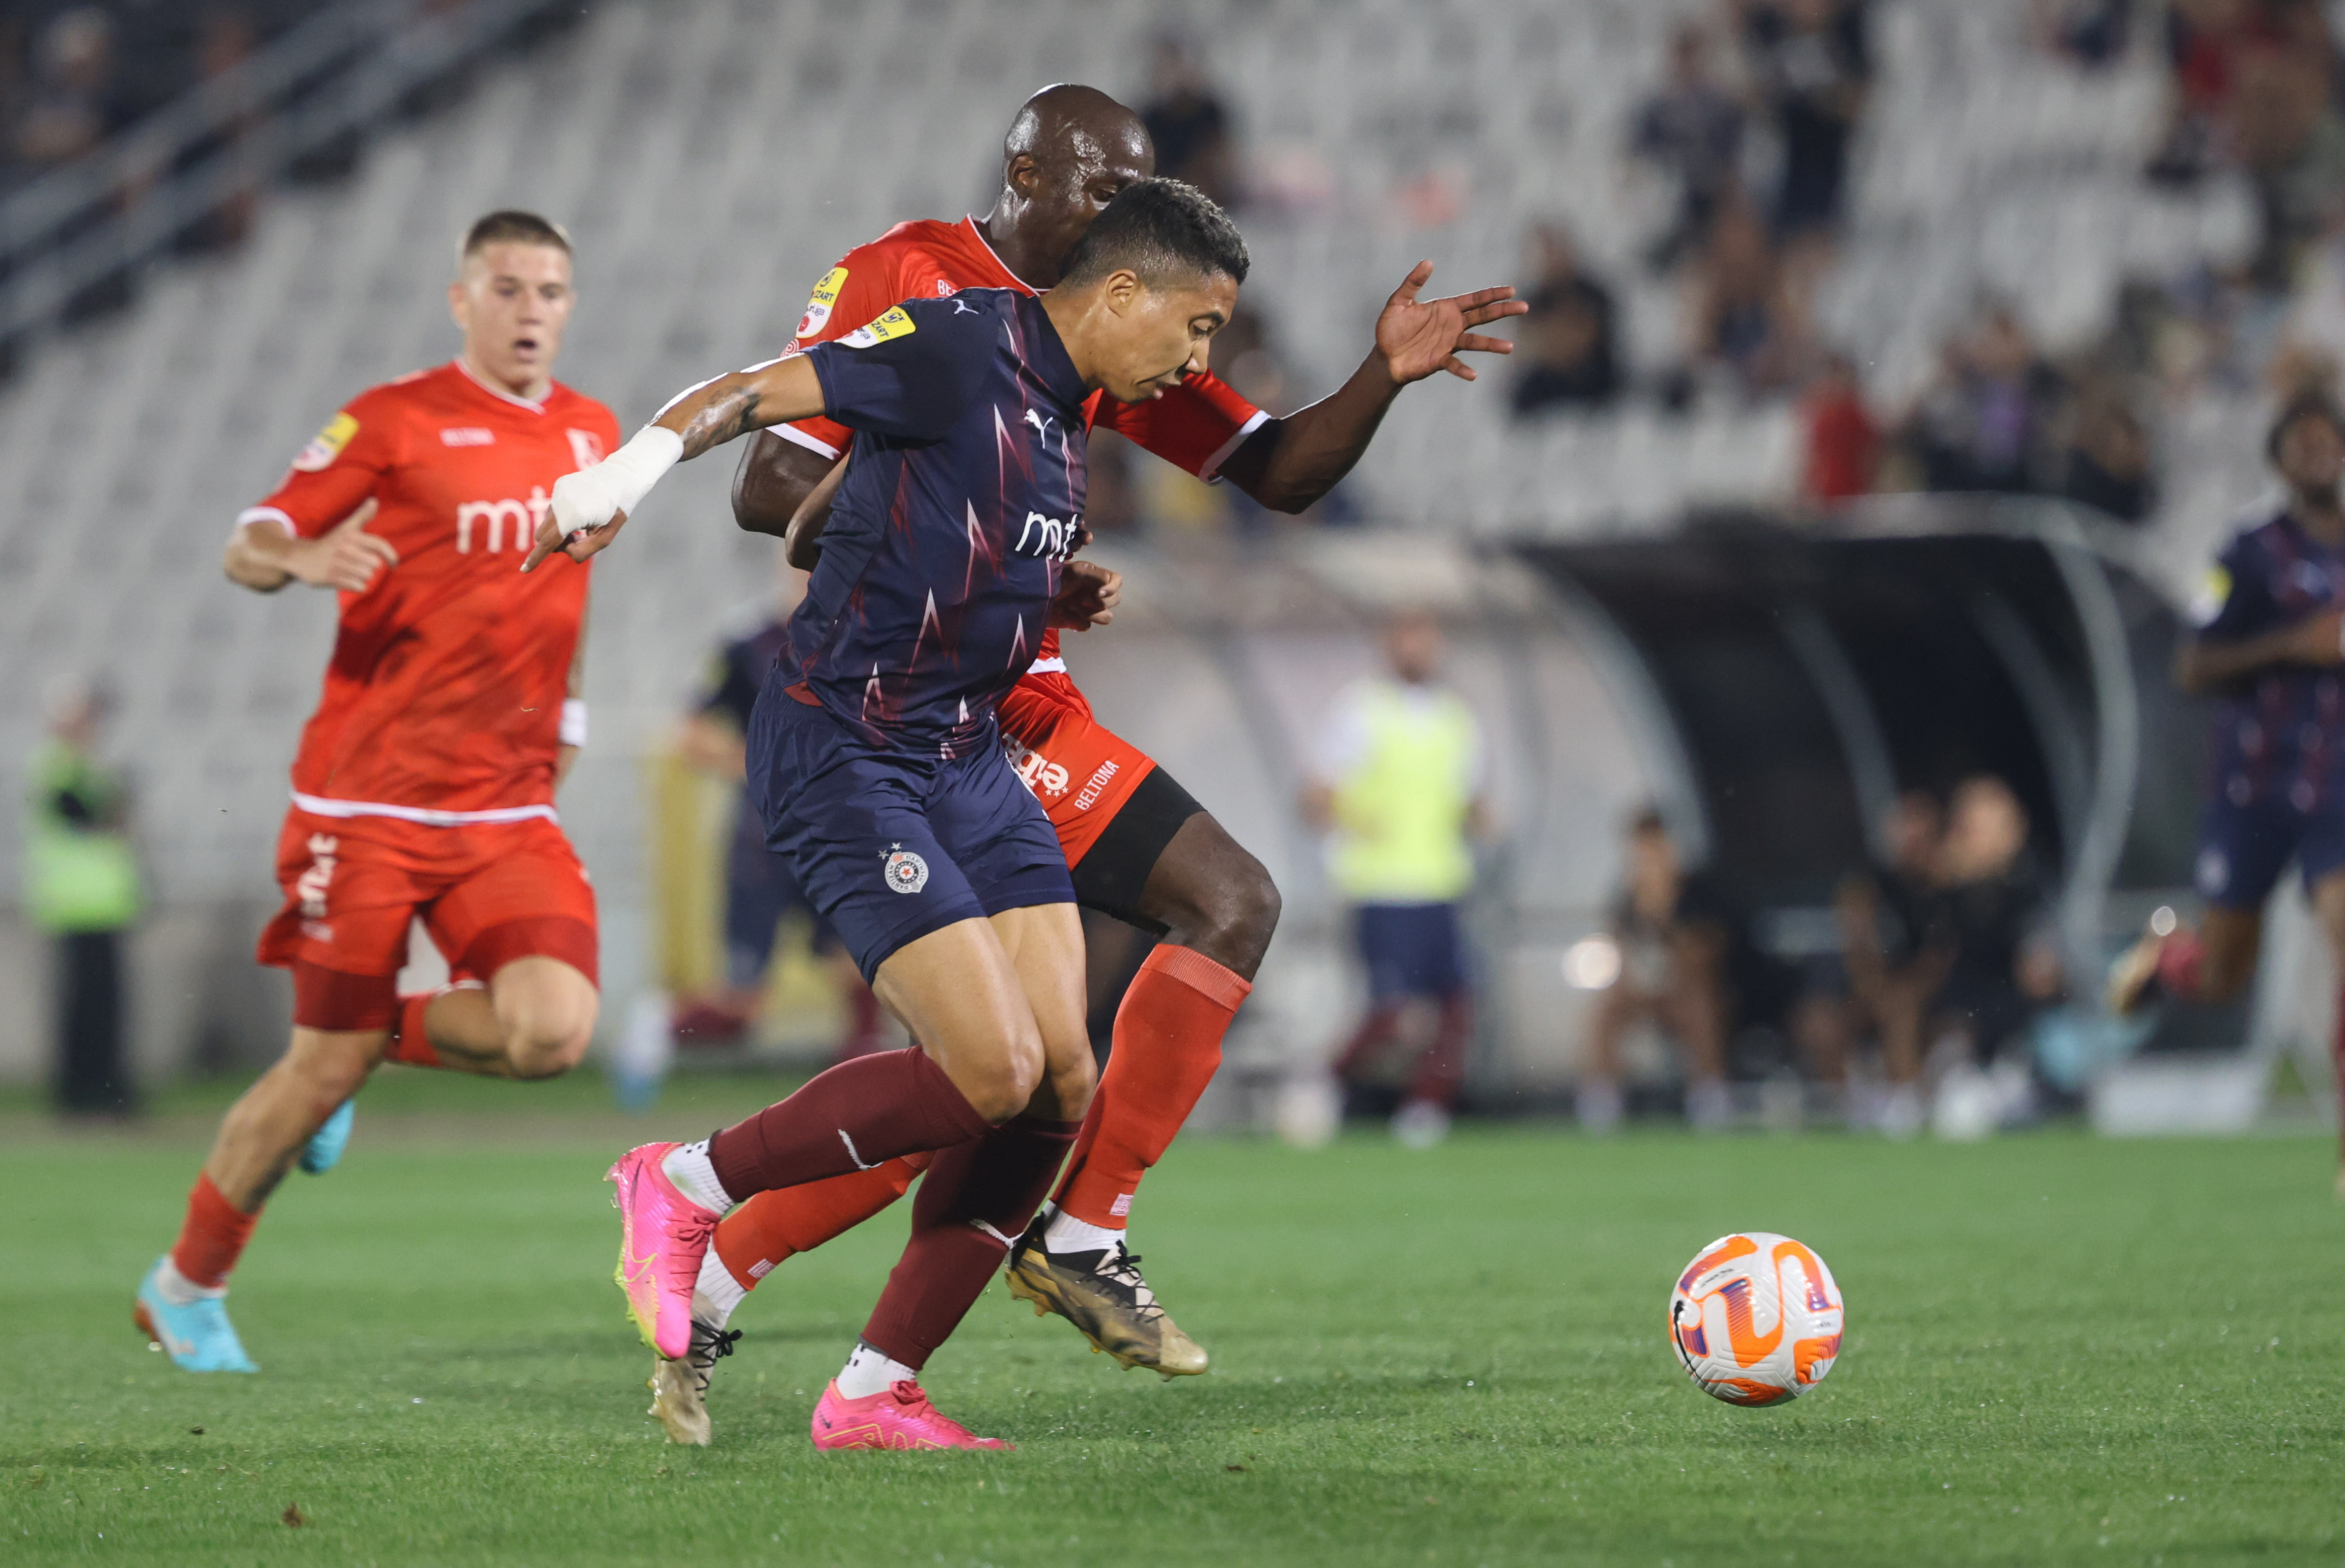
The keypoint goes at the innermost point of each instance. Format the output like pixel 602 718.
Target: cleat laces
pixel 1120 1270
pixel 709 1345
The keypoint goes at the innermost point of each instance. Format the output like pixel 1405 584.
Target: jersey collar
pixel 497 392
pixel 978 234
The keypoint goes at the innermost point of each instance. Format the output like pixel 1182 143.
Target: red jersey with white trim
pixel 445 695
pixel 1195 426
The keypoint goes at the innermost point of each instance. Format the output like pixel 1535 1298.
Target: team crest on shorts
pixel 905 871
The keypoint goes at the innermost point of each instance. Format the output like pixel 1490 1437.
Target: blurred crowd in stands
pixel 1753 122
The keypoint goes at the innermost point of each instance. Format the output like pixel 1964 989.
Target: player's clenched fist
pixel 590 505
pixel 1088 595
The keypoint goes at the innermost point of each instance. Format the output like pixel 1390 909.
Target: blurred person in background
pixel 759 890
pixel 1691 128
pixel 69 105
pixel 1996 909
pixel 1894 955
pixel 1673 932
pixel 2089 34
pixel 1189 124
pixel 1400 785
pixel 2269 647
pixel 1568 344
pixel 1741 317
pixel 1844 442
pixel 1983 424
pixel 2108 462
pixel 1812 67
pixel 81 887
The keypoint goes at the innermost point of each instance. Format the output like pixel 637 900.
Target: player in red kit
pixel 1139 847
pixel 424 784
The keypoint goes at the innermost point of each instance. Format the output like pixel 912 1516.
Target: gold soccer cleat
pixel 680 1388
pixel 1103 1295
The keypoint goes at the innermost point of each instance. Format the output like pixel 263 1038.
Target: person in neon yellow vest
pixel 1400 789
pixel 81 886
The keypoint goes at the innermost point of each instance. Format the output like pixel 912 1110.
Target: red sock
pixel 2181 957
pixel 1167 1045
pixel 773 1225
pixel 213 1237
pixel 857 1116
pixel 1374 1029
pixel 979 1195
pixel 1442 1069
pixel 409 1043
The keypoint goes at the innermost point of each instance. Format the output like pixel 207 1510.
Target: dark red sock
pixel 2181 959
pixel 213 1237
pixel 856 1117
pixel 1442 1069
pixel 1374 1031
pixel 979 1196
pixel 410 1044
pixel 1168 1045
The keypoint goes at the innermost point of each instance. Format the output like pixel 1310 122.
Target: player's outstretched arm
pixel 264 555
pixel 1293 461
pixel 592 505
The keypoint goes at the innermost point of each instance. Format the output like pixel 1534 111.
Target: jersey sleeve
pixel 1195 426
pixel 910 372
pixel 2235 599
pixel 339 468
pixel 867 280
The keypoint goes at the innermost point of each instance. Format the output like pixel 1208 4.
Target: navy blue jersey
pixel 963 494
pixel 2277 731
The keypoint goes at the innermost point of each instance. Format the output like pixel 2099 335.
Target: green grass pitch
pixel 2059 1350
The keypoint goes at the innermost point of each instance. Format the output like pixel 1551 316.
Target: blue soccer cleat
pixel 324 1150
pixel 197 1336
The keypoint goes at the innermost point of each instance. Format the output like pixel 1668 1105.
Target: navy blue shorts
pixel 1411 950
pixel 889 845
pixel 2242 849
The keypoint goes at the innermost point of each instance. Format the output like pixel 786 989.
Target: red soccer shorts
pixel 1081 771
pixel 488 893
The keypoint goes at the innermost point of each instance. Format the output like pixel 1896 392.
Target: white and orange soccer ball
pixel 1756 1319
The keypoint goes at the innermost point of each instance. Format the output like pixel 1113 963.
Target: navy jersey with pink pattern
pixel 2280 733
pixel 963 497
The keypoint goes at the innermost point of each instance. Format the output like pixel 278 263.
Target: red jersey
pixel 443 701
pixel 1195 425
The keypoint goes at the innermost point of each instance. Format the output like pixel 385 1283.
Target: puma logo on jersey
pixel 1036 418
pixel 1046 536
pixel 494 515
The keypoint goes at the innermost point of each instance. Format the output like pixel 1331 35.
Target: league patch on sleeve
pixel 2214 593
pixel 894 324
pixel 327 444
pixel 826 295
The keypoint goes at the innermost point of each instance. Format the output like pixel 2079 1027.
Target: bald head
pixel 1068 152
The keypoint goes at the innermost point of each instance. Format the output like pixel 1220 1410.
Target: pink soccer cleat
pixel 663 1236
pixel 899 1417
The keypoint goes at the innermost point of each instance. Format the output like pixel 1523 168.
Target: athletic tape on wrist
pixel 592 497
pixel 574 722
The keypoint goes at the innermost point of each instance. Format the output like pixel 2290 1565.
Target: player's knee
pixel 1000 1089
pixel 1232 918
pixel 548 1043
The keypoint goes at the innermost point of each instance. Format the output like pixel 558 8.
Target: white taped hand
pixel 584 499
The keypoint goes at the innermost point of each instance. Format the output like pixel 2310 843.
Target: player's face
pixel 1161 334
pixel 1069 189
pixel 512 302
pixel 2312 454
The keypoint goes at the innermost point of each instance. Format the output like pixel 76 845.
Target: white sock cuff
pixel 869 1370
pixel 687 1166
pixel 1066 1233
pixel 716 1292
pixel 182 1291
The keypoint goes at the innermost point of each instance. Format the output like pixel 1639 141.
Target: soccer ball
pixel 1756 1319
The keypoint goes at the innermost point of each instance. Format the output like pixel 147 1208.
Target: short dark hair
pixel 2309 403
pixel 511 226
pixel 1161 229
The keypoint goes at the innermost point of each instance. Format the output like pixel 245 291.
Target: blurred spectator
pixel 2090 34
pixel 68 106
pixel 759 890
pixel 2287 132
pixel 1811 64
pixel 1186 120
pixel 1984 425
pixel 1741 317
pixel 1843 444
pixel 1673 932
pixel 1400 782
pixel 2108 462
pixel 1995 905
pixel 1692 128
pixel 1566 348
pixel 81 886
pixel 1896 954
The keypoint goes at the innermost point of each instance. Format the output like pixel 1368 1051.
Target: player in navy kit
pixel 875 758
pixel 2270 645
